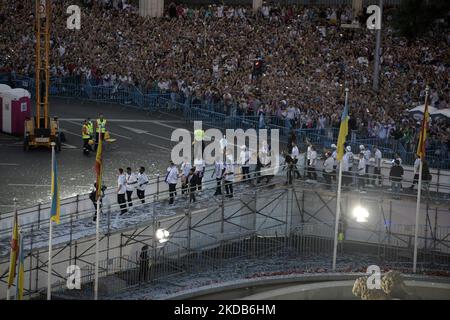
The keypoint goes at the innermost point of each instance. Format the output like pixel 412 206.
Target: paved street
pixel 142 140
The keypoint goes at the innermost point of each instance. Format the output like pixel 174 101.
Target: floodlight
pixel 361 214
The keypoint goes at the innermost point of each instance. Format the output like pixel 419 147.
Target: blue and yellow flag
pixel 21 273
pixel 14 251
pixel 343 132
pixel 55 209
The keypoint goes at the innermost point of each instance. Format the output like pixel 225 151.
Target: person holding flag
pixel 14 251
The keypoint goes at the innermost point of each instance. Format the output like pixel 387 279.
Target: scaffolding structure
pixel 269 219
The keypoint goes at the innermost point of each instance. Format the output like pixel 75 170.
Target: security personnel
pixel 142 180
pixel 229 178
pixel 172 180
pixel 90 126
pixel 101 127
pixel 86 136
pixel 131 184
pixel 219 170
pixel 121 189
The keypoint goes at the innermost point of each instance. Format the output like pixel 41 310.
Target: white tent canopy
pixel 442 113
pixel 420 109
pixel 4 87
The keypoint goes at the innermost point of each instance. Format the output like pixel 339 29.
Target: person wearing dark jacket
pixel 144 264
pixel 93 198
pixel 396 176
pixel 193 180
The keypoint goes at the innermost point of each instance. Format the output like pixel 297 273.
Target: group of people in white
pixel 360 170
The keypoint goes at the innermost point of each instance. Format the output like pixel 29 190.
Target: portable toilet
pixel 16 107
pixel 3 88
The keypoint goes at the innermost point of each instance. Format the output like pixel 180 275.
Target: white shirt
pixel 312 160
pixel 172 175
pixel 308 153
pixel 121 184
pixel 229 172
pixel 223 143
pixel 367 155
pixel 345 162
pixel 244 158
pixel 142 181
pixel 416 165
pixel 218 168
pixel 295 152
pixel 334 156
pixel 378 158
pixel 328 165
pixel 131 182
pixel 199 165
pixel 362 166
pixel 185 167
pixel 350 159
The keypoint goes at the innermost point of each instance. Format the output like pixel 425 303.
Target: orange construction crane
pixel 42 131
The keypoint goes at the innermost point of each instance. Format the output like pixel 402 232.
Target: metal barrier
pixel 262 221
pixel 211 114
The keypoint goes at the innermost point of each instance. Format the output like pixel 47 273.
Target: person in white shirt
pixel 121 189
pixel 295 154
pixel 223 144
pixel 366 153
pixel 361 173
pixel 328 168
pixel 185 168
pixel 130 186
pixel 346 173
pixel 172 180
pixel 142 181
pixel 229 178
pixel 219 170
pixel 199 165
pixel 416 171
pixel 312 164
pixel 378 179
pixel 244 160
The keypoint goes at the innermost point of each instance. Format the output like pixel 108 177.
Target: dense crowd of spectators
pixel 205 56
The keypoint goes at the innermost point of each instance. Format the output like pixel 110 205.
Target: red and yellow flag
pixel 14 251
pixel 98 165
pixel 423 131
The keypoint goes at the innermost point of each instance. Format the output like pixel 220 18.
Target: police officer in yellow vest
pixel 90 126
pixel 86 136
pixel 101 127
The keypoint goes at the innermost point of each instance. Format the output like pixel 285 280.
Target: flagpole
pixel 50 234
pixel 416 229
pixel 338 212
pixel 19 240
pixel 97 227
pixel 8 293
pixel 419 190
pixel 338 200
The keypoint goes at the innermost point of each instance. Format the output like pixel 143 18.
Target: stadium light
pixel 361 214
pixel 162 235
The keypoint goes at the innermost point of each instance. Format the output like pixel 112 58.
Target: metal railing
pixel 212 115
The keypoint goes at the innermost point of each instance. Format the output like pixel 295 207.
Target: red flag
pixel 423 131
